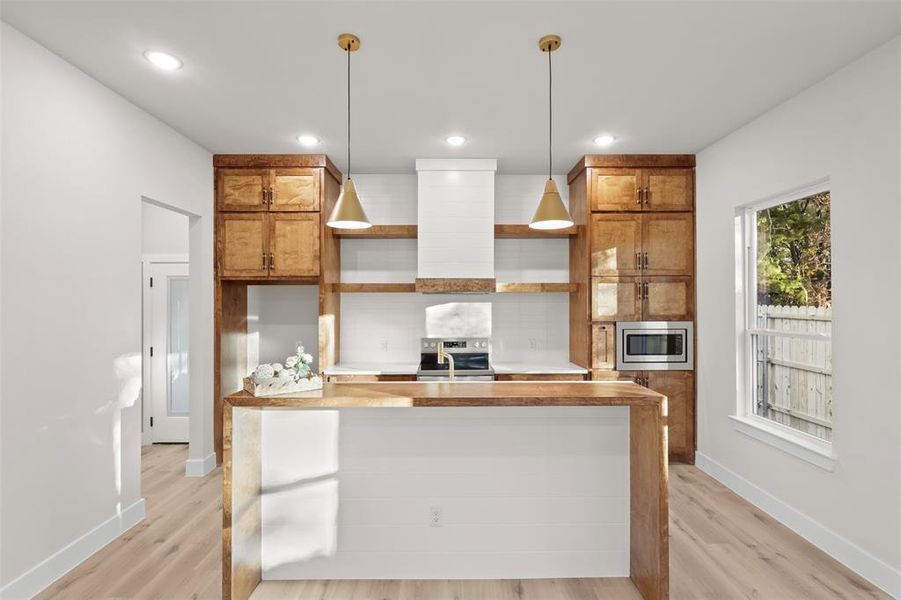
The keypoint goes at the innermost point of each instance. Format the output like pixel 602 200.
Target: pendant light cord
pixel 348 108
pixel 550 117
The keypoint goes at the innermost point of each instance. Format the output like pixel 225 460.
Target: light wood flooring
pixel 721 548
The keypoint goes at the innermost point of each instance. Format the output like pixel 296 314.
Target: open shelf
pixel 532 288
pixel 526 232
pixel 409 288
pixel 409 232
pixel 379 232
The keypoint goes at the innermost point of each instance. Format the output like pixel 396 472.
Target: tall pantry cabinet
pixel 633 259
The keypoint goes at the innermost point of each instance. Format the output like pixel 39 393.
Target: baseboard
pixel 846 552
pixel 55 566
pixel 198 467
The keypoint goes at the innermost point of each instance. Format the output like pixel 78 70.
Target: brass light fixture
pixel 348 212
pixel 551 213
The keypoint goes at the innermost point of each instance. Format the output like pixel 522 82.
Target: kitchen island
pixel 243 459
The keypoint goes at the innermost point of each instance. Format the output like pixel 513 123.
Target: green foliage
pixel 794 253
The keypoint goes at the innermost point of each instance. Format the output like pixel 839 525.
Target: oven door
pixel 654 346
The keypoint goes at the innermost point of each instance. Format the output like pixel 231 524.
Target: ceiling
pixel 662 76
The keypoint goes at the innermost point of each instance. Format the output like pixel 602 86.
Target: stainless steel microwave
pixel 654 346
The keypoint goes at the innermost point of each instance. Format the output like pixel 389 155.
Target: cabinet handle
pixel 638 196
pixel 645 290
pixel 638 259
pixel 264 260
pixel 638 289
pixel 271 196
pixel 271 262
pixel 645 261
pixel 646 195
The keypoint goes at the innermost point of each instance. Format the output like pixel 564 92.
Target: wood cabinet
pixel 370 378
pixel 294 245
pixel 642 244
pixel 666 298
pixel 679 389
pixel 252 246
pixel 243 241
pixel 603 346
pixel 615 189
pixel 261 190
pixel 540 377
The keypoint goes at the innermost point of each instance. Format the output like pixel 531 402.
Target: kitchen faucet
pixel 442 356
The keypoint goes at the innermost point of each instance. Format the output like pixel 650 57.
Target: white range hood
pixel 456 225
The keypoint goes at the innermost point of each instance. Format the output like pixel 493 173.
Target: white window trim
pixel 797 443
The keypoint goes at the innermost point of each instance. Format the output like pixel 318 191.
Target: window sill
pixel 807 448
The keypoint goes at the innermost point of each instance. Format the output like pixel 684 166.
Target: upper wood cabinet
pixel 294 189
pixel 294 245
pixel 615 189
pixel 258 190
pixel 616 244
pixel 642 244
pixel 243 245
pixel 667 299
pixel 263 246
pixel 242 190
pixel 662 298
pixel 615 299
pixel 668 189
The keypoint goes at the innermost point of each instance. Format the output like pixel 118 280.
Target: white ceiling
pixel 663 77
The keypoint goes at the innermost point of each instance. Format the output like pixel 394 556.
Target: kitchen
pixel 500 310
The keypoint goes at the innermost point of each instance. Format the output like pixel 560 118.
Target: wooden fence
pixel 794 375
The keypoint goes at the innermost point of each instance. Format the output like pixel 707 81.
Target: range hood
pixel 456 225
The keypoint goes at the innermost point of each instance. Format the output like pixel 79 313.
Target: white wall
pixel 163 231
pixel 385 328
pixel 77 160
pixel 278 317
pixel 845 128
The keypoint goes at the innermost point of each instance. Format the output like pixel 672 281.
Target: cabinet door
pixel 615 244
pixel 242 189
pixel 678 387
pixel 294 245
pixel 615 189
pixel 603 345
pixel 667 299
pixel 668 189
pixel 295 190
pixel 540 377
pixel 242 242
pixel 609 375
pixel 615 299
pixel 668 243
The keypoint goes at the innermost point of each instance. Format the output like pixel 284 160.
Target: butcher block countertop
pixel 449 394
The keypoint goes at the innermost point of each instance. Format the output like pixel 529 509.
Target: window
pixel 786 304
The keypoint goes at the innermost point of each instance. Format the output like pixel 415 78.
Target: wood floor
pixel 721 548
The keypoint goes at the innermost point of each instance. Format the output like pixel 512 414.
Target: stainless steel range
pixel 461 359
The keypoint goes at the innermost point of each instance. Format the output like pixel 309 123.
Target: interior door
pixel 294 245
pixel 614 189
pixel 669 189
pixel 616 244
pixel 295 189
pixel 169 375
pixel 668 243
pixel 242 189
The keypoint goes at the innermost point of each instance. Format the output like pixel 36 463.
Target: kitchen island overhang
pixel 648 470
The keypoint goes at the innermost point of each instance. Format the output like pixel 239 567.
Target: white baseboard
pixel 198 467
pixel 846 552
pixel 58 564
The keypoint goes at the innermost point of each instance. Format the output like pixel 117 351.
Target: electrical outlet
pixel 533 344
pixel 384 345
pixel 436 519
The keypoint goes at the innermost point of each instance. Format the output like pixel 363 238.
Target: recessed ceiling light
pixel 455 140
pixel 307 140
pixel 604 140
pixel 164 61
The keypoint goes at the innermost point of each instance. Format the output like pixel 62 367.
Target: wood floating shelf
pixel 532 288
pixel 410 232
pixel 379 232
pixel 409 288
pixel 526 232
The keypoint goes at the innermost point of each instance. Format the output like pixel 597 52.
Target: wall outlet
pixel 436 519
pixel 384 345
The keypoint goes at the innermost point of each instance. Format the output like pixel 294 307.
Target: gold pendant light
pixel 551 213
pixel 348 212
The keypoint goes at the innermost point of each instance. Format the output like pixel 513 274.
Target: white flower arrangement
pixel 297 369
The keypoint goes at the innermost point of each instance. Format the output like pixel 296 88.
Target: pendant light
pixel 551 213
pixel 348 212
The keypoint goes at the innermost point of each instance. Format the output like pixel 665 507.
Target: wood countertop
pixel 435 394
